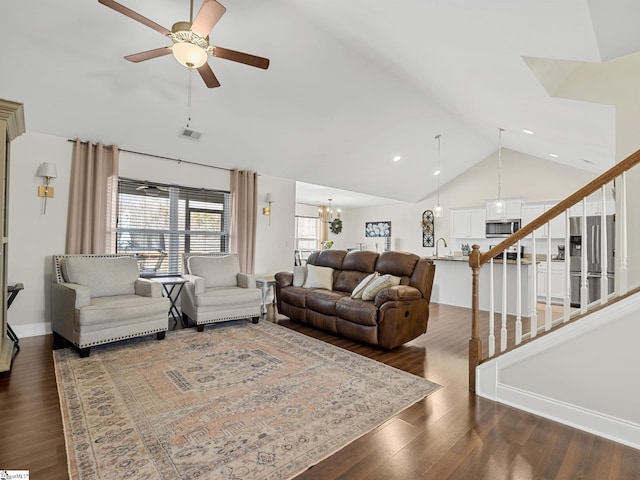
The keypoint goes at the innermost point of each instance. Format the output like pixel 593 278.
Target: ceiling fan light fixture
pixel 189 55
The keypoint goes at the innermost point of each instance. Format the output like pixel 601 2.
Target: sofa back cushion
pixel 327 258
pixel 216 271
pixel 399 264
pixel 105 277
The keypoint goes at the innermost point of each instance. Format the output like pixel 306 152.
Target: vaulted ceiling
pixel 350 85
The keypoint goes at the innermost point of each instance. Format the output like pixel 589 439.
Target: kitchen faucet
pixel 437 242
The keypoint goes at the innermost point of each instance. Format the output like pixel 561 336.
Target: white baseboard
pixel 32 329
pixel 597 423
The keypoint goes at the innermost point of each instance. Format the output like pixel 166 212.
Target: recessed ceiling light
pixel 437 172
pixel 553 155
pixel 528 132
pixel 590 162
pixel 397 158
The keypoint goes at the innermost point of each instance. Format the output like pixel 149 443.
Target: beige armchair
pixel 216 290
pixel 98 299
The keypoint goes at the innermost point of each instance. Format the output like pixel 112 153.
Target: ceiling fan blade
pixel 241 57
pixel 207 17
pixel 135 16
pixel 208 76
pixel 148 55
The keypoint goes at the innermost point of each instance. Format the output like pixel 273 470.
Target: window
pixel 307 233
pixel 160 222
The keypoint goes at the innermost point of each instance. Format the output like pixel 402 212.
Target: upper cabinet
pixel 555 228
pixel 468 222
pixel 594 206
pixel 513 209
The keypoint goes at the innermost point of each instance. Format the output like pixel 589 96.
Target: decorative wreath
pixel 336 226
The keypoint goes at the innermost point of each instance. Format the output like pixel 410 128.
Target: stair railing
pixel 525 304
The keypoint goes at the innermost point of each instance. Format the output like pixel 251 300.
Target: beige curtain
pixel 324 225
pixel 244 203
pixel 94 183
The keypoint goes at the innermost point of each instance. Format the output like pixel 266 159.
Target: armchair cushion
pixel 117 275
pixel 216 271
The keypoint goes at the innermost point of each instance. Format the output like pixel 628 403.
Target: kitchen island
pixel 453 281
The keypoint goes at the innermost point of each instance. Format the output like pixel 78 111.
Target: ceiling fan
pixel 152 190
pixel 190 41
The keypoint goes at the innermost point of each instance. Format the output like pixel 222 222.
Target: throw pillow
pixel 299 275
pixel 357 292
pixel 319 277
pixel 378 284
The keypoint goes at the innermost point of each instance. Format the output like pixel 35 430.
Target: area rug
pixel 237 401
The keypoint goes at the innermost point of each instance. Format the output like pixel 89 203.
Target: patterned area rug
pixel 237 401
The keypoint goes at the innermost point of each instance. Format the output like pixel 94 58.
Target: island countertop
pixel 523 261
pixel 453 280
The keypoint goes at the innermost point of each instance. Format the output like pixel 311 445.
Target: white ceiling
pixel 350 85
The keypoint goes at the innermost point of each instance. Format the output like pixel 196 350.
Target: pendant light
pixel 498 204
pixel 437 210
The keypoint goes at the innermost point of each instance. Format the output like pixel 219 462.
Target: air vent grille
pixel 190 134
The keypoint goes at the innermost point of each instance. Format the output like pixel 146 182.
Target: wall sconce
pixel 267 210
pixel 47 171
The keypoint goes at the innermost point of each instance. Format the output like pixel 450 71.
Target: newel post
pixel 475 343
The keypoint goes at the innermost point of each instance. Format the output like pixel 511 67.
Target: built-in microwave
pixel 501 228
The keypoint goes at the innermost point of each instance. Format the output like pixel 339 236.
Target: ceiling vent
pixel 190 134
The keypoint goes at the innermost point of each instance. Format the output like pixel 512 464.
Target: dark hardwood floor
pixel 450 435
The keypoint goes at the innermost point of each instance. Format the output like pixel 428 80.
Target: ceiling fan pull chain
pixel 189 98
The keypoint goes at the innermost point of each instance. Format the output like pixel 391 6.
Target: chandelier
pixel 326 215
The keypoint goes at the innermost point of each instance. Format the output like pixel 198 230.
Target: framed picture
pixel 377 229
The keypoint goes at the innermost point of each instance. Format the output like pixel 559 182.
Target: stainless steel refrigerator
pixel 591 240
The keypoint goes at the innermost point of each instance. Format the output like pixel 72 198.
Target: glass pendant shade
pixel 498 206
pixel 437 210
pixel 189 55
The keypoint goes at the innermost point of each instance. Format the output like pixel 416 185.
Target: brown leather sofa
pixel 397 315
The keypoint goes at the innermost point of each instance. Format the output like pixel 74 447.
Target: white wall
pixel 35 237
pixel 524 176
pixel 571 373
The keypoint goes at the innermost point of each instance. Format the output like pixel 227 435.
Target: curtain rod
pixel 164 158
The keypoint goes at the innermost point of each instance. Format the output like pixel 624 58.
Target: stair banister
pixel 477 259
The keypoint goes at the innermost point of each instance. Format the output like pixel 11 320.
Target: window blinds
pixel 158 223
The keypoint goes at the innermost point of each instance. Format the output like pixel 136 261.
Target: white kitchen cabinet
pixel 594 206
pixel 530 212
pixel 557 281
pixel 555 228
pixel 468 222
pixel 512 210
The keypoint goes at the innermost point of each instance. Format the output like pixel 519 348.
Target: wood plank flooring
pixel 450 435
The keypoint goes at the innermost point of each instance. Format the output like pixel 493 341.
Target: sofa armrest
pixel 148 288
pixel 284 279
pixel 80 294
pixel 397 293
pixel 246 280
pixel 194 283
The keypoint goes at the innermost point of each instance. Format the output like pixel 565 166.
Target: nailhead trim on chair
pixel 124 337
pixel 226 319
